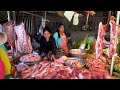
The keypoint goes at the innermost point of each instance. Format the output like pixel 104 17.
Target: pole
pixel 45 15
pixel 115 45
pixel 8 13
pixel 117 23
pixel 16 50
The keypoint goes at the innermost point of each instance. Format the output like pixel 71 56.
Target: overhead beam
pixel 30 14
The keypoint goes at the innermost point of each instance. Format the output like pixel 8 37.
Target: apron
pixel 64 44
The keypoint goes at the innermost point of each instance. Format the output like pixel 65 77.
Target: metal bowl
pixel 83 55
pixel 76 53
pixel 83 50
pixel 74 50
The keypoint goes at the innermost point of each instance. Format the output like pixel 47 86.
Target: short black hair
pixel 46 29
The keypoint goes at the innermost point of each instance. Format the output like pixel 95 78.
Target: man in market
pixel 107 30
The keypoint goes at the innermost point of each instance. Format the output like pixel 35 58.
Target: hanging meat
pixel 8 28
pixel 112 38
pixel 99 42
pixel 21 36
pixel 28 46
pixel 23 40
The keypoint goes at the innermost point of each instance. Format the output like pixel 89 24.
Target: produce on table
pixel 90 56
pixel 108 67
pixel 85 40
pixel 116 68
pixel 116 74
pixel 77 44
pixel 118 45
pixel 106 51
pixel 92 48
pixel 116 61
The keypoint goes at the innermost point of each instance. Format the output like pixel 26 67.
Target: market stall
pixel 88 59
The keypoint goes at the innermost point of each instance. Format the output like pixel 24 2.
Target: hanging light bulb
pixel 60 13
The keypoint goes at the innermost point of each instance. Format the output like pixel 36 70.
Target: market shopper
pixel 3 55
pixel 107 30
pixel 47 43
pixel 60 38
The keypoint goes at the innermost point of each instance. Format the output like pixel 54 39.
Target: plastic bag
pixel 21 66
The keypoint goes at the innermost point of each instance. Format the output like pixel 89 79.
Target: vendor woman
pixel 47 43
pixel 60 39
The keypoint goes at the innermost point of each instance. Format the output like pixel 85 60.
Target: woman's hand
pixel 68 38
pixel 53 57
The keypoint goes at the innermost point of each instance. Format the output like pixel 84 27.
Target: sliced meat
pixel 50 75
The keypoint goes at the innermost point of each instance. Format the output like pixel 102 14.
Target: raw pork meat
pixel 8 28
pixel 96 63
pixel 21 35
pixel 30 58
pixel 99 42
pixel 112 38
pixel 23 41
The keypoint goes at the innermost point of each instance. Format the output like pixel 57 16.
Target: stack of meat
pixel 97 63
pixel 73 63
pixel 49 70
pixel 30 58
pixel 8 28
pixel 96 70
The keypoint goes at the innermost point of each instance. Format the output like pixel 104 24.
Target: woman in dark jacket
pixel 47 43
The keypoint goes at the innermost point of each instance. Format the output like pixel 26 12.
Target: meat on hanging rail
pixel 8 28
pixel 99 42
pixel 113 38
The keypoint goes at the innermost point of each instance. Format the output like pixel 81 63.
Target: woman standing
pixel 47 43
pixel 60 39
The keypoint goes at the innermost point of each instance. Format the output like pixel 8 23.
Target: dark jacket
pixel 45 46
pixel 107 35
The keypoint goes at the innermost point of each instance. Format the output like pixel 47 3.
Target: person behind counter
pixel 47 43
pixel 107 30
pixel 60 39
